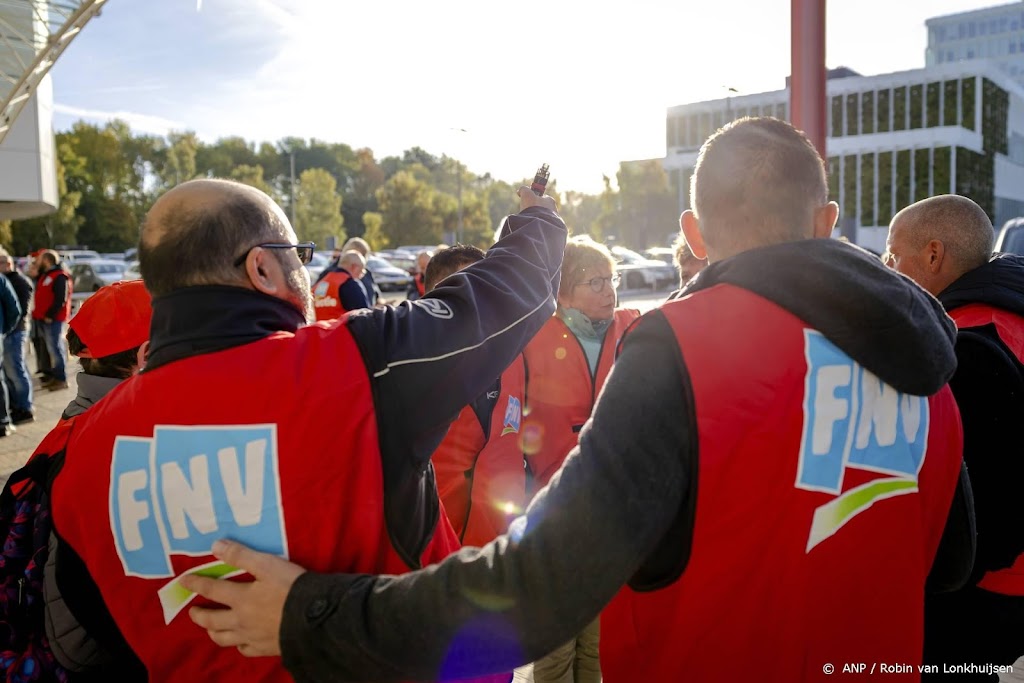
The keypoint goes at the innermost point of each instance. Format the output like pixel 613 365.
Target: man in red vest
pixel 338 289
pixel 479 465
pixel 763 486
pixel 225 431
pixel 945 244
pixel 52 310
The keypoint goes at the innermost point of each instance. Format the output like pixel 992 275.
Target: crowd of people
pixel 803 459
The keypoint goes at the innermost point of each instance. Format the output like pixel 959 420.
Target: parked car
pixel 638 272
pixel 89 276
pixel 131 271
pixel 399 259
pixel 78 255
pixel 320 260
pixel 1011 237
pixel 113 257
pixel 666 255
pixel 388 277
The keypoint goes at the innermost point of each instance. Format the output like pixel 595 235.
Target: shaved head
pixel 937 240
pixel 757 182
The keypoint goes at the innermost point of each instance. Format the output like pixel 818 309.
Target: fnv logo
pixel 513 416
pixel 854 420
pixel 177 493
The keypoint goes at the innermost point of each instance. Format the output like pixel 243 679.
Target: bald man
pixel 763 485
pixel 309 441
pixel 945 244
pixel 338 289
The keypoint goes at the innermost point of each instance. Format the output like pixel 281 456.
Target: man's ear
pixel 261 267
pixel 140 357
pixel 825 218
pixel 935 254
pixel 690 226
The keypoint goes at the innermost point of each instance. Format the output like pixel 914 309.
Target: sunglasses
pixel 597 283
pixel 304 250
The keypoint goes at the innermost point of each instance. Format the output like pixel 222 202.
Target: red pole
pixel 807 95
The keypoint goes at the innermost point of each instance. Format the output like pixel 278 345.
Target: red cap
pixel 114 319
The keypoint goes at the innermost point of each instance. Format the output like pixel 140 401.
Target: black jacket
pixel 989 389
pixel 23 290
pixel 621 507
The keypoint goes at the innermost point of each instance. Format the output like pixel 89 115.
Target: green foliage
pixel 318 207
pixel 108 177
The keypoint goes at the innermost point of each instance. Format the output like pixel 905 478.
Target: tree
pixel 374 235
pixel 407 209
pixel 362 197
pixel 318 207
pixel 109 224
pixel 253 177
pixel 646 208
pixel 180 165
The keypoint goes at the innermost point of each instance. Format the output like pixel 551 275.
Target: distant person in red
pixel 339 289
pixel 52 310
pixel 418 287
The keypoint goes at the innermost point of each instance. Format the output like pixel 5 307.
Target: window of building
pixel 671 132
pixel 837 116
pixel 718 119
pixel 1013 48
pixel 833 179
pixel 902 179
pixel 982 29
pixel 884 96
pixel 852 117
pixel 867 189
pixel 705 127
pixel 949 55
pixel 922 174
pixel 885 211
pixel 940 171
pixel 1002 24
pixel 1014 25
pixel 849 186
pixel 780 111
pixel 962 31
pixel 867 119
pixel 967 103
pixel 932 104
pixel 949 109
pixel 971 29
pixel 970 53
pixel 692 134
pixel 993 25
pixel 916 106
pixel 899 108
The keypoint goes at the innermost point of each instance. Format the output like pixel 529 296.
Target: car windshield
pixel 377 263
pixel 624 255
pixel 1014 242
pixel 108 268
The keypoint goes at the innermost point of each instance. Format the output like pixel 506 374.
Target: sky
pixel 503 87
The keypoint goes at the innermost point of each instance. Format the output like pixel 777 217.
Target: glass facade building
pixel 893 139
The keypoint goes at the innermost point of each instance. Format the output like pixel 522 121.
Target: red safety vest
pixel 327 296
pixel 562 390
pixel 285 462
pixel 44 296
pixel 420 284
pixel 1010 328
pixel 821 497
pixel 480 477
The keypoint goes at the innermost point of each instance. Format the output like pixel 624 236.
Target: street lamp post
pixel 807 94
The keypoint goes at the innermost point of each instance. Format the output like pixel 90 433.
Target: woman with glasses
pixel 567 364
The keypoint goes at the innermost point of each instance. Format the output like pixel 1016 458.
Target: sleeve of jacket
pixel 954 560
pixel 23 288
pixel 429 358
pixel 60 295
pixel 490 609
pixel 11 308
pixel 352 296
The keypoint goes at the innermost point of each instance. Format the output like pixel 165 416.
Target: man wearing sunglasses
pixel 310 441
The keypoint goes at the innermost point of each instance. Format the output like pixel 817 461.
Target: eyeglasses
pixel 304 250
pixel 597 283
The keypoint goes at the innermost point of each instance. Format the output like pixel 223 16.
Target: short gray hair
pixel 962 226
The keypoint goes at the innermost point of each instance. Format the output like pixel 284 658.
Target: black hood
pixel 998 283
pixel 879 318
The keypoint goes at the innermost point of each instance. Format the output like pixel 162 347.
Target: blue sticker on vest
pixel 177 493
pixel 854 420
pixel 513 416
